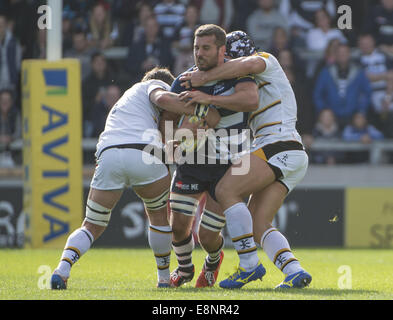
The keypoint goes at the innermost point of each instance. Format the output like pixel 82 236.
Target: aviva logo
pixel 55 82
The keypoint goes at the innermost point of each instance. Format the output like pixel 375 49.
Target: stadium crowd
pixel 343 79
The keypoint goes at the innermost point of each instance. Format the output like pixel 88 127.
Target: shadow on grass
pixel 304 292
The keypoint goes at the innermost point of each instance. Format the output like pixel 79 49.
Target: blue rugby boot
pixel 242 277
pixel 57 282
pixel 164 284
pixel 298 280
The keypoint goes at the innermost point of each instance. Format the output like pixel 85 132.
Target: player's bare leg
pixel 264 205
pixel 98 211
pixel 183 209
pixel 155 196
pixel 212 241
pixel 238 217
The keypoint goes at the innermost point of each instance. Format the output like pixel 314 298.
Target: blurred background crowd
pixel 343 79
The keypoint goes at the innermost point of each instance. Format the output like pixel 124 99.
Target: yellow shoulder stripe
pixel 264 55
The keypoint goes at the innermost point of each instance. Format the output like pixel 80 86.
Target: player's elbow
pixel 162 99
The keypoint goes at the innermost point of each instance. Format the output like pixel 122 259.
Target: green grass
pixel 130 274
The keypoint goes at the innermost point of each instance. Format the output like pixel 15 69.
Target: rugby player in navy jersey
pixel 192 181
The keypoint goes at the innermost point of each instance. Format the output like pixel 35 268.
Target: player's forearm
pixel 235 68
pixel 170 101
pixel 244 101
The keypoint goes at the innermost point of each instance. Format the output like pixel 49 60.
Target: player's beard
pixel 206 64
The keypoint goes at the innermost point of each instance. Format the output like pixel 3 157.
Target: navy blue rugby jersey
pixel 232 131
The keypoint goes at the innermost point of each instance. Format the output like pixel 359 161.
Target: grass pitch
pixel 130 274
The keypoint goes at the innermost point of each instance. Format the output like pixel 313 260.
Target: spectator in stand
pixel 360 130
pixel 101 109
pixel 67 29
pixel 169 15
pixel 219 12
pixel 317 39
pixel 376 65
pixel 342 87
pixel 319 36
pixel 305 108
pixel 329 58
pixel 288 60
pixel 383 108
pixel 149 52
pixel 79 8
pixel 326 129
pixel 285 57
pixel 300 14
pixel 184 40
pixel 102 34
pixel 380 24
pixel 39 50
pixel 80 50
pixel 10 57
pixel 280 41
pixel 125 13
pixel 93 88
pixel 22 15
pixel 136 28
pixel 9 126
pixel 262 23
pixel 241 10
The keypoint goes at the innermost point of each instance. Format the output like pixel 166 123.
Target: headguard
pixel 239 44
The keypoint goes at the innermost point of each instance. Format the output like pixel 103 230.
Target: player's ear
pixel 221 51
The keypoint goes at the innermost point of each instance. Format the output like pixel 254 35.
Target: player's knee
pixel 222 192
pixel 183 205
pixel 183 209
pixel 97 214
pixel 156 203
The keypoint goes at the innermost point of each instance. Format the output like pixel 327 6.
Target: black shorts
pixel 197 178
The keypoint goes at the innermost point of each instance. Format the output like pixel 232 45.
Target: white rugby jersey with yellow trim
pixel 133 118
pixel 275 119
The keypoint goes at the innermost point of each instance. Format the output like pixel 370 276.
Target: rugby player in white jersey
pixel 129 153
pixel 278 161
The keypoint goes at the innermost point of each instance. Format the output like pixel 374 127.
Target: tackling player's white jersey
pixel 133 119
pixel 275 118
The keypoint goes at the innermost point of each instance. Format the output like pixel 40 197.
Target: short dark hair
pixel 212 29
pixel 159 73
pixel 96 54
pixel 8 91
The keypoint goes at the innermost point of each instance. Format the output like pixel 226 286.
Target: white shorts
pixel 120 168
pixel 288 162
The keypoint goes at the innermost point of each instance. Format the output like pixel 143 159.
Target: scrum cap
pixel 239 44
